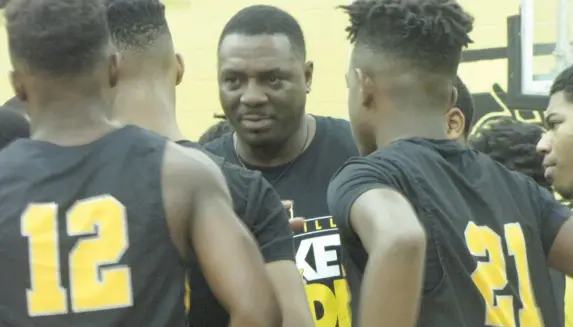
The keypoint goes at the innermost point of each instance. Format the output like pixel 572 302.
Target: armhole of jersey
pixel 161 207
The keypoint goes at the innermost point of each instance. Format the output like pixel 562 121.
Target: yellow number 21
pixel 491 276
pixel 96 281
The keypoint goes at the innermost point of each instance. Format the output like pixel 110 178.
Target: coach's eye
pixel 274 80
pixel 231 81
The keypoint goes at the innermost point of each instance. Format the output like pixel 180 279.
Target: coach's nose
pixel 254 95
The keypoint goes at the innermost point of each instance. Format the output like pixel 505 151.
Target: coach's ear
pixel 180 68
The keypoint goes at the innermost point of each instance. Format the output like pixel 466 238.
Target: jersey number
pixel 96 281
pixel 491 276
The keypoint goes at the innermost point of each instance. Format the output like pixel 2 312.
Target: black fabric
pixel 305 182
pixel 13 126
pixel 459 194
pixel 15 104
pixel 258 205
pixel 93 214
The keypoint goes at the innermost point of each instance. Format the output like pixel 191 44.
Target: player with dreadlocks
pixel 426 223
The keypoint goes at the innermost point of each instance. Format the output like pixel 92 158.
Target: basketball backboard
pixel 546 30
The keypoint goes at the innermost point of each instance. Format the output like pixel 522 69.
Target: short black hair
pixel 513 144
pixel 13 126
pixel 564 82
pixel 136 24
pixel 465 103
pixel 216 131
pixel 266 20
pixel 57 37
pixel 427 34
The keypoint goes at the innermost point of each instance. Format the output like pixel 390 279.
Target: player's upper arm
pixel 364 198
pixel 227 252
pixel 269 221
pixel 551 214
pixel 555 227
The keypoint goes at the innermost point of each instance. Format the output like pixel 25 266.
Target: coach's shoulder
pixel 218 145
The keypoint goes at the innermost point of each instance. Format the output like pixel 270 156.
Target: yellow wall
pixel 196 26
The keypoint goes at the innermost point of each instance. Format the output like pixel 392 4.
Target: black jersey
pixel 83 236
pixel 489 231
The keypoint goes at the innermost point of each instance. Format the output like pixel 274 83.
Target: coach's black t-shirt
pixel 483 223
pixel 305 182
pixel 259 207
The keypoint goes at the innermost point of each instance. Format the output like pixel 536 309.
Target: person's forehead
pixel 276 47
pixel 558 104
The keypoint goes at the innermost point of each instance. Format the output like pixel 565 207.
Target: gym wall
pixel 196 26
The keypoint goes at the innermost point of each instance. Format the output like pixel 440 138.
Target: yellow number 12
pixel 96 281
pixel 491 276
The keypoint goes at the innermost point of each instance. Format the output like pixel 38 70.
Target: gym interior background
pixel 490 66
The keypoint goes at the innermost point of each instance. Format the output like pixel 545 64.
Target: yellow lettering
pixel 46 295
pixel 97 281
pixel 187 296
pixel 94 284
pixel 320 295
pixel 305 228
pixel 517 249
pixel 491 276
pixel 341 292
pixel 317 225
pixel 330 307
pixel 332 224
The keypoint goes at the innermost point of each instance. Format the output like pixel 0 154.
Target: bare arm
pixel 555 227
pixel 200 213
pixel 561 254
pixel 290 291
pixel 269 223
pixel 229 257
pixel 396 244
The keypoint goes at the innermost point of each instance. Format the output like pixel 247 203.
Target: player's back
pixel 489 238
pixel 487 235
pixel 83 235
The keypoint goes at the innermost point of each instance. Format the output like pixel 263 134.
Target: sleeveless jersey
pixel 83 236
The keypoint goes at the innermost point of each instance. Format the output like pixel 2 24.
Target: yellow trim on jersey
pixel 569 302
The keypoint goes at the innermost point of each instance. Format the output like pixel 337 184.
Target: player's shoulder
pixel 17 154
pixel 188 169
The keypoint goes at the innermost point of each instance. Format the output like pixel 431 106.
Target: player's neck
pixel 275 155
pixel 430 128
pixel 150 105
pixel 71 121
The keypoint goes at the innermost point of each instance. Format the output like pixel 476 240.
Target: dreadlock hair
pixel 136 24
pixel 465 103
pixel 513 144
pixel 426 34
pixel 266 20
pixel 564 82
pixel 57 37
